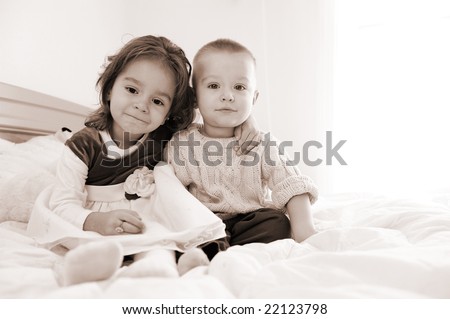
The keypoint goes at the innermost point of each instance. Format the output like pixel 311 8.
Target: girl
pixel 108 184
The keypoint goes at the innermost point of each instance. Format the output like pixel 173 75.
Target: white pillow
pixel 18 193
pixel 27 168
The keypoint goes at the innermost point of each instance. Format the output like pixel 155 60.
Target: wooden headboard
pixel 25 113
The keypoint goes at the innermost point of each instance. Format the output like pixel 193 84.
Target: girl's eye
pixel 213 86
pixel 239 87
pixel 158 102
pixel 132 90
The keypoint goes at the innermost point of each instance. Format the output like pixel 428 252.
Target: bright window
pixel 392 95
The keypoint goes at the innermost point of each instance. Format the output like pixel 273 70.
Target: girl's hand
pixel 116 222
pixel 248 136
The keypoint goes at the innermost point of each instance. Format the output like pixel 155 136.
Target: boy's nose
pixel 227 97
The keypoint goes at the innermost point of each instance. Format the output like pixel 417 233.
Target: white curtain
pixel 299 55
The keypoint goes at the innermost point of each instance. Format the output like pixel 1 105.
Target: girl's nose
pixel 141 107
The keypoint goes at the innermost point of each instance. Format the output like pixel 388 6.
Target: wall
pixel 58 47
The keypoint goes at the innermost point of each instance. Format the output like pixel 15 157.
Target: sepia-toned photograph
pixel 278 150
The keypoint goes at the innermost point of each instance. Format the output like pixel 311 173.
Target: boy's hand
pixel 300 235
pixel 248 136
pixel 116 222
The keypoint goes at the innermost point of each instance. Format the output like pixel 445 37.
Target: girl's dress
pixel 95 175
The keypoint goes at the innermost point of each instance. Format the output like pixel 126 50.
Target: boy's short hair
pixel 223 44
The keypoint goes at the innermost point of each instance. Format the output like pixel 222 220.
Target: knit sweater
pixel 230 184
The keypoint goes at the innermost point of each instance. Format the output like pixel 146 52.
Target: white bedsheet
pixel 368 247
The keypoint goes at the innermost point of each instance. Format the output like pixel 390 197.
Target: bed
pixel 368 246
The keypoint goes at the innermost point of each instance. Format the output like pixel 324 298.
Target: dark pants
pixel 262 226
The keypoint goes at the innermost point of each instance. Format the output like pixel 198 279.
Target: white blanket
pixel 368 247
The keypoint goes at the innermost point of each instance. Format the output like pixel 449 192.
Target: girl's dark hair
pixel 161 49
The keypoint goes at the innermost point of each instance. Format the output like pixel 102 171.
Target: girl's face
pixel 140 99
pixel 225 91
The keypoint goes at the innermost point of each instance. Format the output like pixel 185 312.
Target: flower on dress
pixel 139 184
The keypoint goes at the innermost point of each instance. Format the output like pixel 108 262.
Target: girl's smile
pixel 138 119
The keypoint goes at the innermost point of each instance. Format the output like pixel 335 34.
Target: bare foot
pixel 155 263
pixel 91 262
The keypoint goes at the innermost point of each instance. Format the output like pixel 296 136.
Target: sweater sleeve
pixel 69 196
pixel 283 177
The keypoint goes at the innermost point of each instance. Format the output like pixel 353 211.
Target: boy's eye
pixel 132 90
pixel 239 87
pixel 213 86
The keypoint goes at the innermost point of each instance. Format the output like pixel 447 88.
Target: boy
pixel 236 188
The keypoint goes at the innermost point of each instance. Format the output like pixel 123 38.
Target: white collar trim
pixel 115 152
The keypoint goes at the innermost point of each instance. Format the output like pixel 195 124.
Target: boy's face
pixel 225 90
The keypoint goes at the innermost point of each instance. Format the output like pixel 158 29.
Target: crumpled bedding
pixel 368 246
pixel 391 256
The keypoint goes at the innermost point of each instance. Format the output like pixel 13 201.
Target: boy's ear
pixel 255 96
